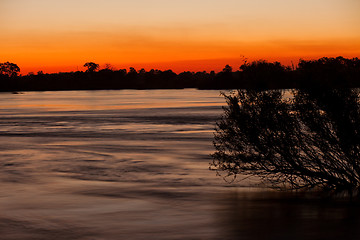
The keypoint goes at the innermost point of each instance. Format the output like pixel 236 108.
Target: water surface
pixel 133 164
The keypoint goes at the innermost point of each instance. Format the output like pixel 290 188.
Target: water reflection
pixel 108 100
pixel 114 168
pixel 134 173
pixel 279 215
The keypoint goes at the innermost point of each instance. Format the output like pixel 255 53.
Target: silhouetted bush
pixel 308 140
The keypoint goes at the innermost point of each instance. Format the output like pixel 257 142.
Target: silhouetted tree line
pixel 331 72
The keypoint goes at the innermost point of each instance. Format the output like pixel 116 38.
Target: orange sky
pixel 194 35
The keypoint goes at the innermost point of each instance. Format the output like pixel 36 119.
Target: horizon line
pixel 193 65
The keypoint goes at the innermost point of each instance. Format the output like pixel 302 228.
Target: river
pixel 134 164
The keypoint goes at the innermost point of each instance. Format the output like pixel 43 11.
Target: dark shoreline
pixel 325 72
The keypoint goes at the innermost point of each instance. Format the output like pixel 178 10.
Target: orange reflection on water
pixel 69 107
pixel 109 100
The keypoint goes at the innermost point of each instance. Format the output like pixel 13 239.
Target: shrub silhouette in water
pixel 309 140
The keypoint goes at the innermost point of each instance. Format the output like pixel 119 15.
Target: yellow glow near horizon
pixel 54 35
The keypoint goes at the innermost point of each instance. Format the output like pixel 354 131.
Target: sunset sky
pixel 53 35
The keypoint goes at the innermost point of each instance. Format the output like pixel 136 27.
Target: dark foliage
pixel 264 75
pixel 331 72
pixel 9 69
pixel 91 66
pixel 328 72
pixel 310 139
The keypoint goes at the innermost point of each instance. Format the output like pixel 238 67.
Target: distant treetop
pixel 91 66
pixel 9 69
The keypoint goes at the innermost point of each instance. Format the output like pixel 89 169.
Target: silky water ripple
pixel 133 164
